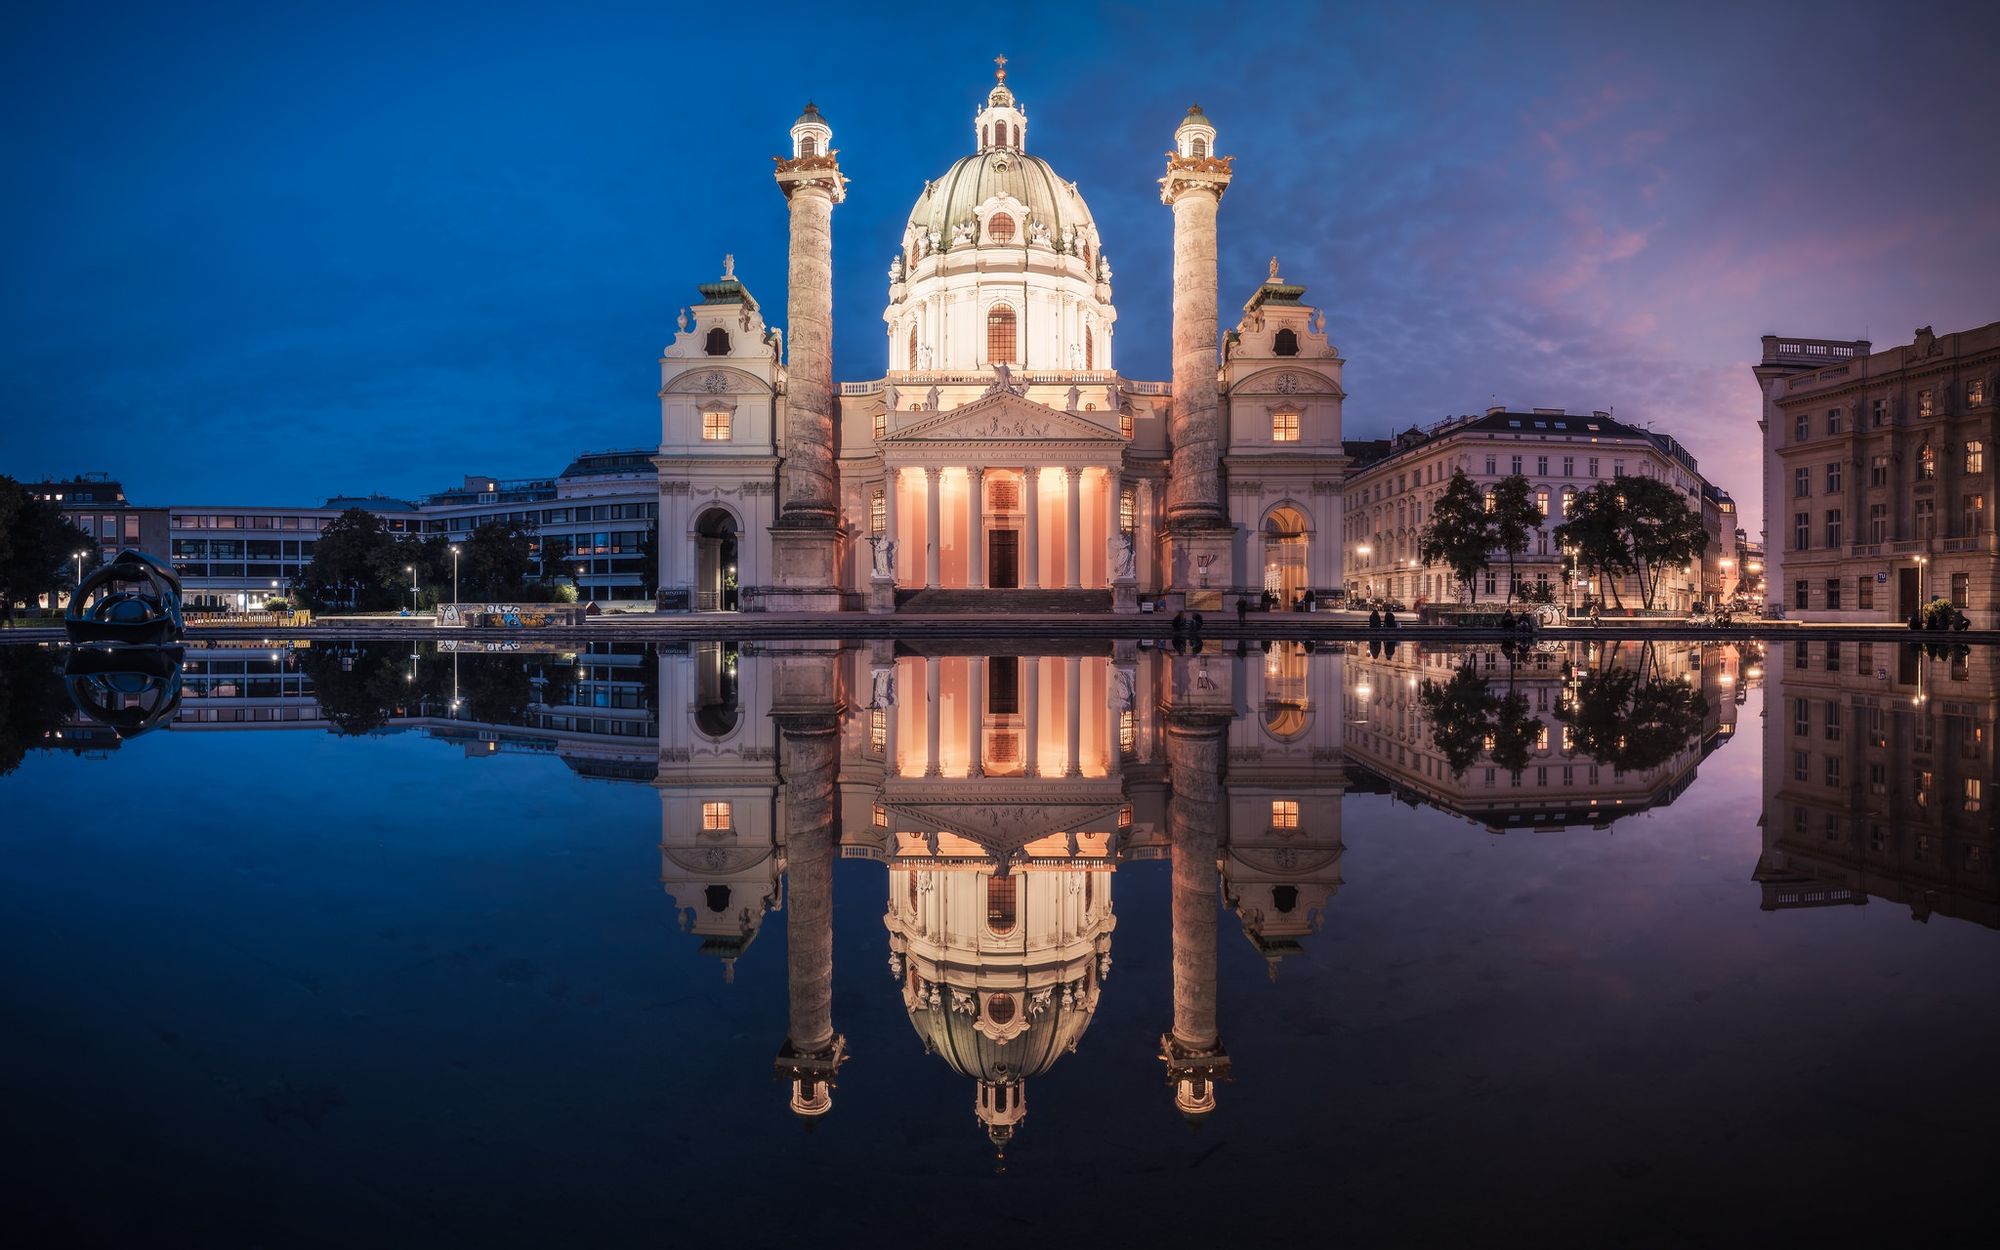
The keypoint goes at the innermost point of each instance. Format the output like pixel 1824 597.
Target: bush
pixel 1940 614
pixel 277 605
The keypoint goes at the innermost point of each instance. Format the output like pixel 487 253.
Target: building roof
pixel 594 463
pixel 1545 421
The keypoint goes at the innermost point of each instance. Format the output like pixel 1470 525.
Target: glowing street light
pixel 411 569
pixel 454 577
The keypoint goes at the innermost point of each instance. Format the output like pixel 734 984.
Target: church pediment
pixel 1006 416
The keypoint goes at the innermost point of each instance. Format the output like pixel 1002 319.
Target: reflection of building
pixel 1397 481
pixel 1000 448
pixel 1879 769
pixel 1389 735
pixel 1878 474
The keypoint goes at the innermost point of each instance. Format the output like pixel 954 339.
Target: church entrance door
pixel 1003 559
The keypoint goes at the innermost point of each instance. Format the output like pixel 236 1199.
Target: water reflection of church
pixel 1001 792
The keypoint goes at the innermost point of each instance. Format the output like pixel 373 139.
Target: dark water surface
pixel 1592 946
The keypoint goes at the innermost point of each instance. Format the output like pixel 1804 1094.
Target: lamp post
pixel 411 569
pixel 1921 562
pixel 579 583
pixel 454 579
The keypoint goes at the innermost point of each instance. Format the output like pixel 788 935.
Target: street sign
pixel 1881 579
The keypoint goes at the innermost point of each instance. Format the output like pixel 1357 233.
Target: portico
pixel 1001 494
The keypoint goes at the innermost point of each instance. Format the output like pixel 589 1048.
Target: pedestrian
pixel 1194 626
pixel 1242 609
pixel 1374 618
pixel 1388 618
pixel 1180 623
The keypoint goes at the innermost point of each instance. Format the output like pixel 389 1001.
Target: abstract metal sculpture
pixel 135 600
pixel 127 689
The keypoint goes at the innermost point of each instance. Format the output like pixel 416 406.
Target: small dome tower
pixel 811 136
pixel 1002 123
pixel 1195 138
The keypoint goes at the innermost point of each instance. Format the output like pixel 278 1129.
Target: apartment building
pixel 1394 483
pixel 96 504
pixel 1878 468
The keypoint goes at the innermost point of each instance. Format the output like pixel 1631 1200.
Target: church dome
pixel 972 180
pixel 971 1052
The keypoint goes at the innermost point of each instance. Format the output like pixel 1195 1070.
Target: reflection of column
pixel 890 715
pixel 975 526
pixel 1073 564
pixel 813 1052
pixel 1032 678
pixel 933 533
pixel 889 484
pixel 1031 479
pixel 1073 692
pixel 932 715
pixel 1142 539
pixel 975 678
pixel 1193 1051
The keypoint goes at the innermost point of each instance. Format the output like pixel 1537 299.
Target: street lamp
pixel 454 578
pixel 1921 562
pixel 411 569
pixel 579 581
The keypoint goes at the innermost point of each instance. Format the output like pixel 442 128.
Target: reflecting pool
pixel 800 943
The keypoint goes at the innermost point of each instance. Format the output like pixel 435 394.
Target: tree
pixel 497 561
pixel 1514 516
pixel 1595 534
pixel 1460 532
pixel 1662 530
pixel 34 700
pixel 38 547
pixel 1620 718
pixel 349 559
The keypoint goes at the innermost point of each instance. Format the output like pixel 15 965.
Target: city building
pixel 1394 482
pixel 1878 475
pixel 236 558
pixel 96 504
pixel 1000 448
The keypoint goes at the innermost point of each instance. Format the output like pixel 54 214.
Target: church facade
pixel 1000 450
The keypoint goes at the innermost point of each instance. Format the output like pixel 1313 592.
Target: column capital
pixel 977 472
pixel 1033 472
pixel 1074 473
pixel 1208 175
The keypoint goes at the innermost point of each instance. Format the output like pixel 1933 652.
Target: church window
pixel 878 513
pixel 881 425
pixel 1975 457
pixel 718 342
pixel 1286 343
pixel 1199 147
pixel 715 817
pixel 1284 427
pixel 878 741
pixel 913 347
pixel 881 812
pixel 715 426
pixel 1284 813
pixel 1089 351
pixel 809 146
pixel 1128 511
pixel 1125 424
pixel 1003 494
pixel 1000 229
pixel 1000 1008
pixel 1000 334
pixel 1000 904
pixel 986 136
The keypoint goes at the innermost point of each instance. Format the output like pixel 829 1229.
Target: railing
pixel 1974 543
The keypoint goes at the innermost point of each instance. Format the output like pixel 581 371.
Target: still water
pixel 815 944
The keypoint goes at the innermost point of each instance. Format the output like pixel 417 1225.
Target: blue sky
pixel 268 253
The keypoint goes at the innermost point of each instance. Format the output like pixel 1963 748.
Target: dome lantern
pixel 1001 121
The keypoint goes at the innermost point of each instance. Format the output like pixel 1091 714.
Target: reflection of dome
pixel 1050 1032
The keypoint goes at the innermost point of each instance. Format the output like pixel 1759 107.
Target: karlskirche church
pixel 1000 460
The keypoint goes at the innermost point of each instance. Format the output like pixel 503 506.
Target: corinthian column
pixel 1193 1052
pixel 813 1052
pixel 1193 187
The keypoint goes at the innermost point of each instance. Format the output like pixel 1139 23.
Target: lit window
pixel 1284 427
pixel 1125 424
pixel 1000 229
pixel 1128 511
pixel 715 817
pixel 1284 813
pixel 878 731
pixel 1975 391
pixel 878 512
pixel 881 816
pixel 1975 457
pixel 1926 404
pixel 1926 461
pixel 1000 904
pixel 1000 334
pixel 715 427
pixel 809 146
pixel 881 425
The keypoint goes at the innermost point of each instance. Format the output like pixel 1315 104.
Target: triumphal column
pixel 805 539
pixel 1200 536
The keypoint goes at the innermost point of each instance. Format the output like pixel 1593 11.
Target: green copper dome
pixel 972 180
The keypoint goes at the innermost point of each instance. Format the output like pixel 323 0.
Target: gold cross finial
pixel 1000 75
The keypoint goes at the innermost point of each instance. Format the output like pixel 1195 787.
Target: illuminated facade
pixel 1000 449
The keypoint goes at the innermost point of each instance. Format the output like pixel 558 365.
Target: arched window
pixel 1000 334
pixel 1199 147
pixel 1000 229
pixel 986 136
pixel 1285 344
pixel 809 146
pixel 913 889
pixel 1086 252
pixel 1000 1008
pixel 1089 350
pixel 718 342
pixel 1000 904
pixel 913 347
pixel 1017 136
